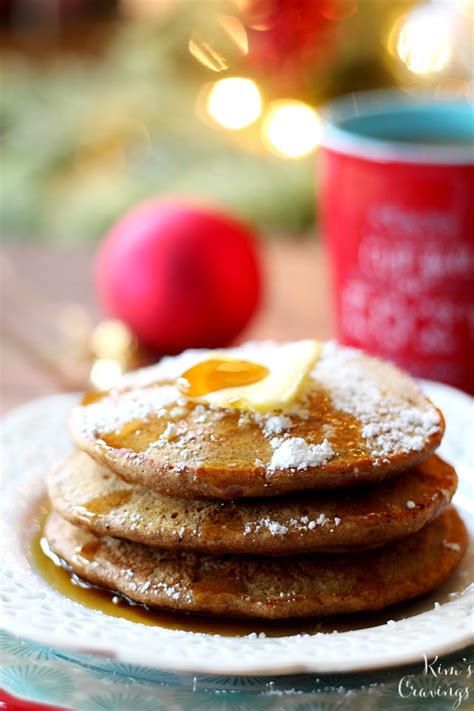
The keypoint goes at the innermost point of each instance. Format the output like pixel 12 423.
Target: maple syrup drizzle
pixel 343 430
pixel 60 576
pixel 93 396
pixel 206 377
pixel 102 505
pixel 218 374
pixel 107 503
pixel 88 551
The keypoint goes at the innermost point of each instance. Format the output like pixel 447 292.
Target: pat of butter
pixel 288 364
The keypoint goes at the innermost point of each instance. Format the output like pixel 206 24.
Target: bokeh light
pixel 105 373
pixel 234 102
pixel 465 7
pixel 338 11
pixel 207 55
pixel 220 44
pixel 110 343
pixel 110 339
pixel 235 30
pixel 291 129
pixel 424 41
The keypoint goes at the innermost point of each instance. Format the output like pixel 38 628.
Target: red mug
pixel 398 219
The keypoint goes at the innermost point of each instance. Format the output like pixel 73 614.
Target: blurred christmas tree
pixel 83 138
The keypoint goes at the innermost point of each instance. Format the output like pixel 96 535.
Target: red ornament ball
pixel 179 276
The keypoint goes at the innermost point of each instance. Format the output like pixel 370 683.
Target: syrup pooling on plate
pixel 218 374
pixel 61 578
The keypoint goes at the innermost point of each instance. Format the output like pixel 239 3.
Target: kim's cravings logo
pixel 439 680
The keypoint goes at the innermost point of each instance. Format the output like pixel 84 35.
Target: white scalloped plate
pixel 35 438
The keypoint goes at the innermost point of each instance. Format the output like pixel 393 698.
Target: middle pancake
pixel 91 496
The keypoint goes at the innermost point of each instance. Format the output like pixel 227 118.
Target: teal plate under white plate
pixel 83 683
pixel 95 644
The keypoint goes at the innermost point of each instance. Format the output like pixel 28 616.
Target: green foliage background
pixel 83 139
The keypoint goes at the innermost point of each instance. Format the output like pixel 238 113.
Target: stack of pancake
pixel 334 503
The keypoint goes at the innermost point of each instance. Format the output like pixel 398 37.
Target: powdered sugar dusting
pixel 276 424
pixel 281 528
pixel 171 431
pixel 296 453
pixel 394 414
pixel 275 528
pixel 171 591
pixel 406 429
pixel 114 411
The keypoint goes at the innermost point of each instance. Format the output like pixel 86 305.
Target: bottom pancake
pixel 272 588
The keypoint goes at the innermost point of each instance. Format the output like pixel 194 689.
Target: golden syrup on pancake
pixel 343 430
pixel 107 503
pixel 218 374
pixel 60 576
pixel 93 396
pixel 137 434
pixel 88 551
pixel 102 505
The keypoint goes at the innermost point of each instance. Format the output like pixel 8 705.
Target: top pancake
pixel 359 420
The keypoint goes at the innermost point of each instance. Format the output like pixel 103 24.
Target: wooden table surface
pixel 40 284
